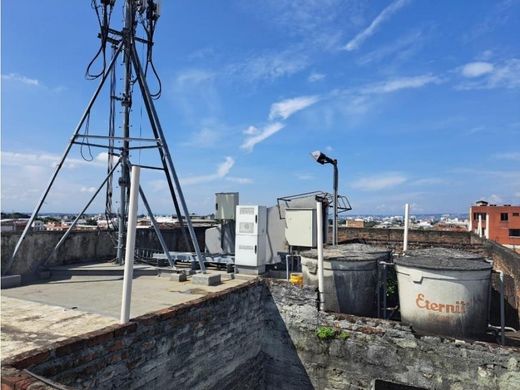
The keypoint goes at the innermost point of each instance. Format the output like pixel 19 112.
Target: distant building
pixel 18 224
pixel 500 223
pixel 355 223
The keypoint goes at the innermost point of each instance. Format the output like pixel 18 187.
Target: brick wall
pixel 262 335
pixel 210 343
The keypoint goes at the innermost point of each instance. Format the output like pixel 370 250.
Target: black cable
pixel 104 23
pixel 85 140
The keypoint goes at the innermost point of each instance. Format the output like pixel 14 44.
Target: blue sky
pixel 419 101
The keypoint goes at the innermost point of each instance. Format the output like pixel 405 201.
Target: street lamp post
pixel 322 159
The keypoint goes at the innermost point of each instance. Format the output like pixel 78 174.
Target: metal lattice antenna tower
pixel 124 42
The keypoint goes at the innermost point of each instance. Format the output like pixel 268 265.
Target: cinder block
pixel 206 279
pixel 11 281
pixel 178 277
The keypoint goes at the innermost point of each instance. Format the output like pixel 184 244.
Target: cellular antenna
pixel 139 16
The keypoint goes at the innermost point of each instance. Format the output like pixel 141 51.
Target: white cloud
pixel 251 130
pixel 493 199
pixel 268 131
pixel 222 170
pixel 379 182
pixel 304 176
pixel 400 83
pixel 502 75
pixel 477 69
pixel 513 156
pixel 268 66
pixel 239 180
pixel 313 77
pixel 286 108
pixel 358 40
pixel 205 138
pixel 21 79
pixel 90 190
pixel 194 76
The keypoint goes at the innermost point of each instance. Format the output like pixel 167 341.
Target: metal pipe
pixel 287 266
pixel 335 219
pixel 384 290
pixel 502 309
pixel 319 231
pixel 36 210
pixel 154 119
pixel 126 102
pixel 130 246
pixel 406 223
pixel 73 224
pixel 118 138
pixel 156 227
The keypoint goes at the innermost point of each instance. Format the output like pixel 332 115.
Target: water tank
pixel 350 277
pixel 444 295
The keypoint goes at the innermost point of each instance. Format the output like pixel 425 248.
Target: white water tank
pixel 443 295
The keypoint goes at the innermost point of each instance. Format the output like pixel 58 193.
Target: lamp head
pixel 322 158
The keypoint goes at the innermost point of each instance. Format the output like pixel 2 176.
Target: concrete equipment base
pixel 241 269
pixel 206 279
pixel 11 281
pixel 178 277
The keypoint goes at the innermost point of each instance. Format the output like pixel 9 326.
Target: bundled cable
pixel 103 18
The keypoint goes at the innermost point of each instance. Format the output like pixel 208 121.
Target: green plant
pixel 325 333
pixel 344 335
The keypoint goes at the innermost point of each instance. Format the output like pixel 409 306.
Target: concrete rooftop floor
pixel 41 313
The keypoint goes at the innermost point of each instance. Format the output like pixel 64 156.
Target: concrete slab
pixel 11 281
pixel 206 279
pixel 27 325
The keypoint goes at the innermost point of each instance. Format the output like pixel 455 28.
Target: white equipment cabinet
pixel 225 205
pixel 251 239
pixel 300 227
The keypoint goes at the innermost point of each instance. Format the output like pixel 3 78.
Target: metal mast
pixel 126 102
pixel 124 42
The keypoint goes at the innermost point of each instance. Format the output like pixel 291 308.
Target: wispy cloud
pixel 476 69
pixel 48 160
pixel 21 79
pixel 262 135
pixel 401 49
pixel 239 180
pixel 379 182
pixel 222 171
pixel 401 83
pixel 268 66
pixel 512 156
pixel 313 77
pixel 358 40
pixel 285 108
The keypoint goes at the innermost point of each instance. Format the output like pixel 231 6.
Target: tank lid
pixel 446 263
pixel 349 252
pixel 444 252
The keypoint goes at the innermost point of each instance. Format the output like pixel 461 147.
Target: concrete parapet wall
pixel 263 335
pixel 364 349
pixel 82 246
pixel 393 238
